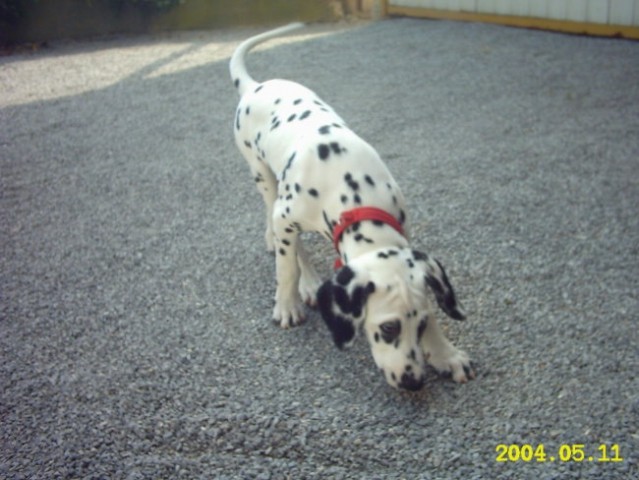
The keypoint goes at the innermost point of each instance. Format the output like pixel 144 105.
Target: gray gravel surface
pixel 135 331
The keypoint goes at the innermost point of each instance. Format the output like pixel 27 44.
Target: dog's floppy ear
pixel 436 278
pixel 342 302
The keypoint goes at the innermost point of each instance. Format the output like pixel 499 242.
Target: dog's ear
pixel 342 302
pixel 436 278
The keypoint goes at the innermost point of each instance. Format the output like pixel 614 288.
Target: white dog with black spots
pixel 315 174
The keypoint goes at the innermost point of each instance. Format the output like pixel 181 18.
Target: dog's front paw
pixel 288 314
pixel 308 287
pixel 453 363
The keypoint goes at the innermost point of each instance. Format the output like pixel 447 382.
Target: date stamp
pixel 575 452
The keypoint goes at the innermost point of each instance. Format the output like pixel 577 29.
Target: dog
pixel 315 174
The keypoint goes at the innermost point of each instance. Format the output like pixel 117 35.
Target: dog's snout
pixel 410 382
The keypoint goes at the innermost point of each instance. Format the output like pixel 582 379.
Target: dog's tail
pixel 239 75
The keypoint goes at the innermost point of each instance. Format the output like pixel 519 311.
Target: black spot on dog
pixel 422 328
pixel 275 125
pixel 345 275
pixel 419 256
pixel 278 101
pixel 342 329
pixel 237 83
pixel 382 255
pixel 369 180
pixel 323 151
pixel 298 188
pixel 282 252
pixel 325 130
pixel 313 192
pixel 358 299
pixel 258 89
pixel 344 199
pixel 305 115
pixel 342 299
pixel 402 217
pixel 286 242
pixel 444 293
pixel 348 178
pixel 297 102
pixel 288 165
pixel 248 110
pixel 247 144
pixel 291 118
pixel 327 221
pixel 357 199
pixel 410 263
pixel 336 148
pixel 237 119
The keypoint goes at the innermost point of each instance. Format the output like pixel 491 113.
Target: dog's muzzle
pixel 410 382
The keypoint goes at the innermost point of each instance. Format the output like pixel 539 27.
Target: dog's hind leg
pixel 267 186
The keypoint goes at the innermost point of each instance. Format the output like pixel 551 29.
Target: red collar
pixel 359 214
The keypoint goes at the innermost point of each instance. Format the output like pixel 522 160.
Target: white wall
pixel 614 12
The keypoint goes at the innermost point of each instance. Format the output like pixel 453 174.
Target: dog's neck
pixel 366 236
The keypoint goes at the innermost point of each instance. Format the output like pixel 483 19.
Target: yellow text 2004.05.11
pixel 575 452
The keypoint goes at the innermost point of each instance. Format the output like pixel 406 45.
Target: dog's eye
pixel 390 330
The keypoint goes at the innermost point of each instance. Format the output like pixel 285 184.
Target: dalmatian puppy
pixel 315 174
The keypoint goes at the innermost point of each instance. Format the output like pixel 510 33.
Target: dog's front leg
pixel 309 281
pixel 289 308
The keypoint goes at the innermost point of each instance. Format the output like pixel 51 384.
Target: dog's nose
pixel 409 382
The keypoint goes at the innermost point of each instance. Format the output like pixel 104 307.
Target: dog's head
pixel 385 293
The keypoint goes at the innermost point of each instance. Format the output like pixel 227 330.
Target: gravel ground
pixel 135 331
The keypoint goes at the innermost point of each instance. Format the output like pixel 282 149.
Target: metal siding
pixel 486 6
pixel 503 7
pixel 468 5
pixel 519 7
pixel 537 8
pixel 597 11
pixel 576 11
pixel 557 10
pixel 615 12
pixel 621 12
